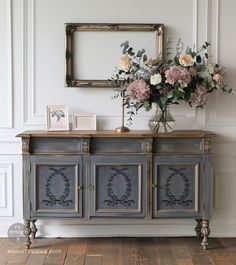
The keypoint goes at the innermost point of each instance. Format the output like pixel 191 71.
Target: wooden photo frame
pixel 84 121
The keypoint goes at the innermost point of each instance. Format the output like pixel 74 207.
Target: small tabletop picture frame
pixel 84 122
pixel 57 118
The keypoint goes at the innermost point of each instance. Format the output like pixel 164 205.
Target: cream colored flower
pixel 186 60
pixel 125 63
pixel 155 79
pixel 192 72
pixel 211 68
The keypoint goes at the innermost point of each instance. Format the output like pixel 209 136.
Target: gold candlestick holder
pixel 122 128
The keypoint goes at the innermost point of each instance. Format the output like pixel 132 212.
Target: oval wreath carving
pixel 172 199
pixel 124 199
pixel 52 199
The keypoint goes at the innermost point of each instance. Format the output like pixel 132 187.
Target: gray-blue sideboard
pixel 103 176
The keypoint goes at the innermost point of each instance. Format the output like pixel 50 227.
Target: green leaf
pixel 176 59
pixel 144 57
pixel 139 54
pixel 180 89
pixel 199 59
pixel 170 94
pixel 130 51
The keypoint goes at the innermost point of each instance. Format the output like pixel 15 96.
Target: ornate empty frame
pixel 71 28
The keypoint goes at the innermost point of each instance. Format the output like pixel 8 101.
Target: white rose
pixel 211 68
pixel 155 79
pixel 205 75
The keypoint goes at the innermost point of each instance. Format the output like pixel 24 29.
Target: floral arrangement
pixel 185 77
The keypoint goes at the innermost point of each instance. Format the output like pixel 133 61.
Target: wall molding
pixel 30 115
pixel 211 118
pixel 9 86
pixel 6 190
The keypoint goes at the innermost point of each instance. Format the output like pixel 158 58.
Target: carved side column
pixel 27 233
pixel 205 231
pixel 198 228
pixel 33 228
pixel 148 149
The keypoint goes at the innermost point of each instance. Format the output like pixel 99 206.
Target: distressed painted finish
pixel 56 186
pixel 177 186
pixel 118 186
pixel 100 177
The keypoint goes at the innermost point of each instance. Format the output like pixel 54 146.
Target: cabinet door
pixel 118 186
pixel 56 186
pixel 177 186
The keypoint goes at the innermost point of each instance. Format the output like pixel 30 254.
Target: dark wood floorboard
pixel 119 251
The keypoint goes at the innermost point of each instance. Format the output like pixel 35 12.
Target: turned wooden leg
pixel 205 231
pixel 198 228
pixel 33 228
pixel 27 233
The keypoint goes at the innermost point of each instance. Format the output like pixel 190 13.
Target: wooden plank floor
pixel 119 251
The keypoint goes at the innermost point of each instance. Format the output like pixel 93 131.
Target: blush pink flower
pixel 200 96
pixel 125 63
pixel 138 90
pixel 178 74
pixel 219 80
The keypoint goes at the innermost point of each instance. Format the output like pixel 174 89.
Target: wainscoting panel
pixel 6 192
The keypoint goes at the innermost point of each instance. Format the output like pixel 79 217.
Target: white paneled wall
pixel 32 76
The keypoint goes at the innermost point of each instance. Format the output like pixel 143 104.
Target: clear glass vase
pixel 162 122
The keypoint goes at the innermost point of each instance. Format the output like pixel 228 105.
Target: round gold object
pixel 122 129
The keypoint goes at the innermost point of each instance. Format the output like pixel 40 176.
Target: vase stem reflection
pixel 162 122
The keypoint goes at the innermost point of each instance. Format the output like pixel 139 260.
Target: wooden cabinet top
pixel 112 134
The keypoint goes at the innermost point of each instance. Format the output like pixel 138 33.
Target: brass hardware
pixel 122 128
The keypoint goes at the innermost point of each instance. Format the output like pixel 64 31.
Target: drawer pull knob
pixel 91 187
pixel 80 187
pixel 154 186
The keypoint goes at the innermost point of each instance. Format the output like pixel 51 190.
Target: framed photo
pixel 57 118
pixel 84 121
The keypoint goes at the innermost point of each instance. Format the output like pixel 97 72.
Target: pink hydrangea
pixel 138 90
pixel 178 74
pixel 200 96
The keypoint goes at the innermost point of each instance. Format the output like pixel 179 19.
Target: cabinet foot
pixel 27 233
pixel 198 228
pixel 205 231
pixel 33 228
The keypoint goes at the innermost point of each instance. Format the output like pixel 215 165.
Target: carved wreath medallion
pixel 114 199
pixel 171 198
pixel 52 198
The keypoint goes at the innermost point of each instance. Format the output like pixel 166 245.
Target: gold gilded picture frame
pixel 72 28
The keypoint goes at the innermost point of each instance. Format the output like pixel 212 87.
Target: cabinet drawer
pixel 192 146
pixel 116 145
pixel 55 145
